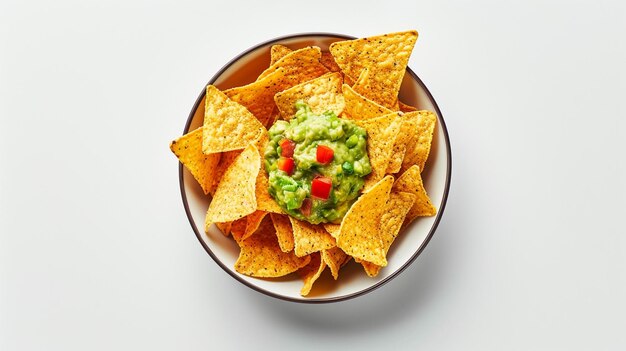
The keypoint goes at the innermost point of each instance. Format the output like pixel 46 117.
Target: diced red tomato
pixel 305 209
pixel 320 187
pixel 287 146
pixel 286 165
pixel 324 154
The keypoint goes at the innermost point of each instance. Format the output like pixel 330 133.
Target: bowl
pixel 353 281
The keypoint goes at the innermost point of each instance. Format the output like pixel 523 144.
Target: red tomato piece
pixel 286 165
pixel 320 187
pixel 324 154
pixel 305 209
pixel 287 146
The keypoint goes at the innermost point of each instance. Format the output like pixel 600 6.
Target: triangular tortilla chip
pixel 411 182
pixel 406 108
pixel 321 94
pixel 227 124
pixel 381 133
pixel 359 236
pixel 188 149
pixel 386 56
pixel 359 107
pixel 328 61
pixel 408 130
pixel 260 255
pixel 309 238
pixel 304 62
pixel 282 224
pixel 419 147
pixel 253 221
pixel 224 227
pixel 235 195
pixel 311 272
pixel 334 259
pixel 332 229
pixel 277 52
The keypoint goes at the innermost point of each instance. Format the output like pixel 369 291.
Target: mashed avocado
pixel 316 165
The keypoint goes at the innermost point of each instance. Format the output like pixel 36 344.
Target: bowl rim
pixel 362 292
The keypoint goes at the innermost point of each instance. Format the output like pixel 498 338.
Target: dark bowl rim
pixel 336 298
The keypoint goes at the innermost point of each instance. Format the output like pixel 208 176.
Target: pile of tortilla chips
pixel 358 80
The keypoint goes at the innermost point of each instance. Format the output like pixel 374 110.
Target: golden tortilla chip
pixel 188 149
pixel 260 255
pixel 224 227
pixel 386 56
pixel 359 236
pixel 283 231
pixel 304 62
pixel 321 94
pixel 264 200
pixel 406 108
pixel 408 129
pixel 334 259
pixel 235 195
pixel 381 133
pixel 226 160
pixel 311 272
pixel 359 107
pixel 411 182
pixel 419 147
pixel 238 228
pixel 277 52
pixel 227 124
pixel 309 238
pixel 328 61
pixel 332 229
pixel 396 208
pixel 253 221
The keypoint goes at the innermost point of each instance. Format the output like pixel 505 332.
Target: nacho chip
pixel 188 149
pixel 224 227
pixel 408 129
pixel 381 133
pixel 253 221
pixel 304 63
pixel 309 238
pixel 332 229
pixel 311 272
pixel 419 146
pixel 235 195
pixel 321 94
pixel 359 236
pixel 334 259
pixel 328 61
pixel 227 124
pixel 396 208
pixel 226 160
pixel 264 200
pixel 277 52
pixel 260 255
pixel 406 108
pixel 283 231
pixel 359 107
pixel 411 182
pixel 386 56
pixel 238 228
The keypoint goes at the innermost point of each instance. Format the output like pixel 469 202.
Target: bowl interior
pixel 352 279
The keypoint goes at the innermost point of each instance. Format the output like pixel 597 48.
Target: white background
pixel 96 252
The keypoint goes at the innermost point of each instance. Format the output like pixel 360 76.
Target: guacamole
pixel 316 165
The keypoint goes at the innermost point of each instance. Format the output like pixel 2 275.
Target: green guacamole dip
pixel 346 170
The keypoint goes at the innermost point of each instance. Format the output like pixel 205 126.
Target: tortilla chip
pixel 359 107
pixel 283 231
pixel 309 238
pixel 328 61
pixel 188 149
pixel 334 259
pixel 235 195
pixel 264 200
pixel 381 133
pixel 386 56
pixel 411 182
pixel 304 62
pixel 238 228
pixel 277 52
pixel 227 124
pixel 321 94
pixel 311 272
pixel 408 129
pixel 406 108
pixel 260 255
pixel 396 208
pixel 224 227
pixel 253 221
pixel 226 160
pixel 332 229
pixel 359 236
pixel 419 147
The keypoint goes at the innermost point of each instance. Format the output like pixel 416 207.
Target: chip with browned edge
pixel 321 94
pixel 188 149
pixel 359 236
pixel 235 195
pixel 260 255
pixel 277 52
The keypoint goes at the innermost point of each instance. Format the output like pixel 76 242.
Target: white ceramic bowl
pixel 352 281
